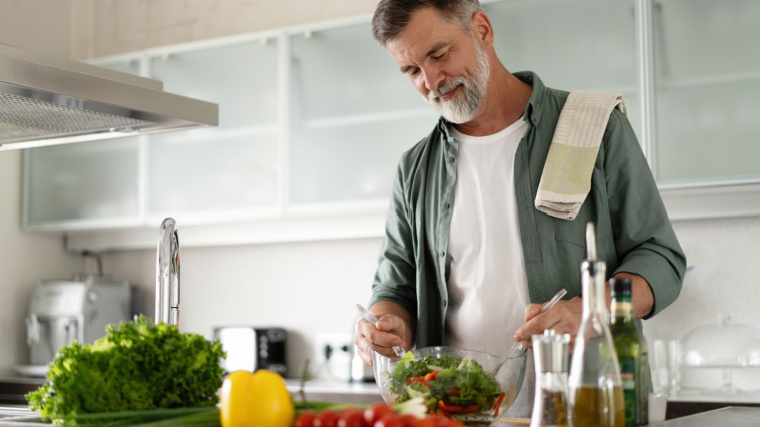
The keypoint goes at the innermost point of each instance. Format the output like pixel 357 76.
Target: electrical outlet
pixel 333 351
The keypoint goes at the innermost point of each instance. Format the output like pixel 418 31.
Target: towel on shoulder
pixel 566 178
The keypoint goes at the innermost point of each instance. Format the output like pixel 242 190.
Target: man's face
pixel 447 65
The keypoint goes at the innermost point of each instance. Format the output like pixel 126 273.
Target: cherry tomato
pixel 407 419
pixel 375 412
pixel 351 417
pixel 305 419
pixel 426 422
pixel 326 418
pixel 389 420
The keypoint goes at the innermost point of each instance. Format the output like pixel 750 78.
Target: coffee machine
pixel 61 311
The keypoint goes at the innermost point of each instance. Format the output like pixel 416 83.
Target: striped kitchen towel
pixel 566 178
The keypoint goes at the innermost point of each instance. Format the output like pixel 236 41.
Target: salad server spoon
pixel 517 348
pixel 371 318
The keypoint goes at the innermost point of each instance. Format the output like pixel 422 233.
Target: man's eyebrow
pixel 436 47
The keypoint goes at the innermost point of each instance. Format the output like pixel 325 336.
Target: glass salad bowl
pixel 471 386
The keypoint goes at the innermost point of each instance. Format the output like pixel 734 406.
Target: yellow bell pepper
pixel 255 399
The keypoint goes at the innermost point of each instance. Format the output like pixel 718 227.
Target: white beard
pixel 462 107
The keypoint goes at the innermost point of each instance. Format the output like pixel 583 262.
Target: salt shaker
pixel 550 406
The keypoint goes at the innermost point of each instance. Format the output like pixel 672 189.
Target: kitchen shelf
pixel 262 230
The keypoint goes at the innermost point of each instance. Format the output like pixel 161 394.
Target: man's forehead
pixel 425 30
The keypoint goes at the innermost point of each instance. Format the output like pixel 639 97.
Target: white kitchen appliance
pixel 251 348
pixel 61 311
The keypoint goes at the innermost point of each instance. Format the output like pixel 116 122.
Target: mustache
pixel 433 95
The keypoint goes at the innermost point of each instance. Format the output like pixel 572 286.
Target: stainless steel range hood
pixel 46 100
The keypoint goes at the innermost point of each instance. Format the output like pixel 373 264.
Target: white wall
pixel 306 288
pixel 24 260
pixel 725 278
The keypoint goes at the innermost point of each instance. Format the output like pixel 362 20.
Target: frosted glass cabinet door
pixel 88 180
pixel 234 165
pixel 585 45
pixel 129 65
pixel 707 58
pixel 353 114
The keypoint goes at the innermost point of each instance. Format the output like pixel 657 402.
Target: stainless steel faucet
pixel 167 274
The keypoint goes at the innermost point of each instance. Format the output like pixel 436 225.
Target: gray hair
pixel 392 16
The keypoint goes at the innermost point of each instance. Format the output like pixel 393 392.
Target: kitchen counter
pixel 683 406
pixel 688 402
pixel 331 390
pixel 731 416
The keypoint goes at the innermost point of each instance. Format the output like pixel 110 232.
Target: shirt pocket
pixel 574 231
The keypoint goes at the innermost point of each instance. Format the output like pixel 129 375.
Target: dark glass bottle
pixel 631 349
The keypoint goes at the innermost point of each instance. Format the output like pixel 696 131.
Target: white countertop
pixel 333 386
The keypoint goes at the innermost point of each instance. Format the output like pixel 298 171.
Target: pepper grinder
pixel 550 406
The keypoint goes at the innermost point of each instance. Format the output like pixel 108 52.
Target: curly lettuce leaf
pixel 137 365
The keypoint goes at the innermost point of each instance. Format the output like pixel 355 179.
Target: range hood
pixel 46 100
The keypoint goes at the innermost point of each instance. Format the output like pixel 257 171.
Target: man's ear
pixel 482 29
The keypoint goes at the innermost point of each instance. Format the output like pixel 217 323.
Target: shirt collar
pixel 535 103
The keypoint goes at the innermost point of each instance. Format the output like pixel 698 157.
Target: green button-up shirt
pixel 634 234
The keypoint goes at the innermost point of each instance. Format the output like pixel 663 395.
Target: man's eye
pixel 414 72
pixel 437 57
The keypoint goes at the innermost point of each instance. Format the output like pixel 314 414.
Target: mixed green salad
pixel 452 386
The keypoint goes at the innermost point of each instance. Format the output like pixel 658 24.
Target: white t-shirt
pixel 487 283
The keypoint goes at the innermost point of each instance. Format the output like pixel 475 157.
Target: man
pixel 468 260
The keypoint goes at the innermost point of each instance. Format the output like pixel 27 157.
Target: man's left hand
pixel 564 318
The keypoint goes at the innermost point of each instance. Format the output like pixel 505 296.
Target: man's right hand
pixel 391 329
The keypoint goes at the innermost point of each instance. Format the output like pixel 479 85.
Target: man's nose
pixel 433 78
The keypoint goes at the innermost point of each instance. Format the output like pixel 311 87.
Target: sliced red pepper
pixel 430 376
pixel 457 408
pixel 497 405
pixel 454 391
pixel 420 380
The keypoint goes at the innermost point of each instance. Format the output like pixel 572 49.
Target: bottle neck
pixel 592 281
pixel 622 308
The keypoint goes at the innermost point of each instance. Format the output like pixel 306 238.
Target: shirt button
pixel 445 206
pixel 441 254
pixel 444 303
pixel 451 159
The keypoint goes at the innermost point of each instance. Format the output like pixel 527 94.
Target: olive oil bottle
pixel 631 349
pixel 596 395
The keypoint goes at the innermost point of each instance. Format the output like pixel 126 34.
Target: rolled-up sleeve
pixel 644 238
pixel 395 278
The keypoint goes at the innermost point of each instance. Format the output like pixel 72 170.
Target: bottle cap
pixel 621 286
pixel 550 351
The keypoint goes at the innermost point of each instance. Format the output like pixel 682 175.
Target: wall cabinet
pixel 707 74
pixel 314 118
